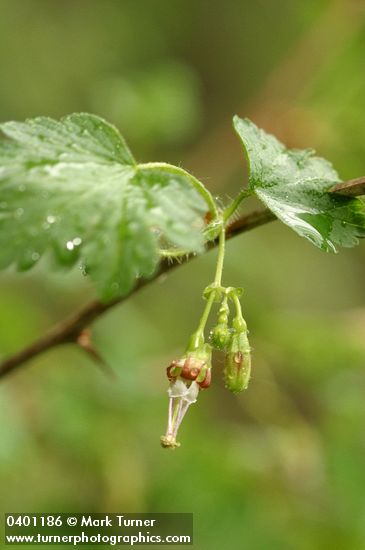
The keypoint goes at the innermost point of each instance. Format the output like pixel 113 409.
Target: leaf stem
pixel 173 252
pixel 202 190
pixel 231 208
pixel 68 330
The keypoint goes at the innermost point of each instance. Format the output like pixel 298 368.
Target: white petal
pixel 177 389
pixel 192 393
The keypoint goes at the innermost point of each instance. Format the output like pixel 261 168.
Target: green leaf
pixel 73 187
pixel 294 185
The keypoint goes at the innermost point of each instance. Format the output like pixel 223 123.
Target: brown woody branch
pixel 72 330
pixel 350 188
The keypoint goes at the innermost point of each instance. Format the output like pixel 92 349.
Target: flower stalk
pixel 192 372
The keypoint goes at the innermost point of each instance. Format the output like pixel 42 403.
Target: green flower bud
pixel 237 368
pixel 220 336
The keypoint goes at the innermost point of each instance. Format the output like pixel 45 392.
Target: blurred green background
pixel 282 465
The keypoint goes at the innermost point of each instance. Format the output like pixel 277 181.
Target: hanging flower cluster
pixel 192 373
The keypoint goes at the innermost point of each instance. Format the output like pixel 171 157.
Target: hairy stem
pixel 68 331
pixel 202 190
pixel 198 337
pixel 220 260
pixel 231 208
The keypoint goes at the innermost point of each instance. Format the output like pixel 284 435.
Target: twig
pixel 69 331
pixel 84 341
pixel 350 188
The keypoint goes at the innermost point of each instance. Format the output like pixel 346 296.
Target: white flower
pixel 181 397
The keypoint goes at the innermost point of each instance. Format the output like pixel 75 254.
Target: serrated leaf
pixel 293 184
pixel 73 186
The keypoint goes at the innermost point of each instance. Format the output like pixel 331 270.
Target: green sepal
pixel 202 352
